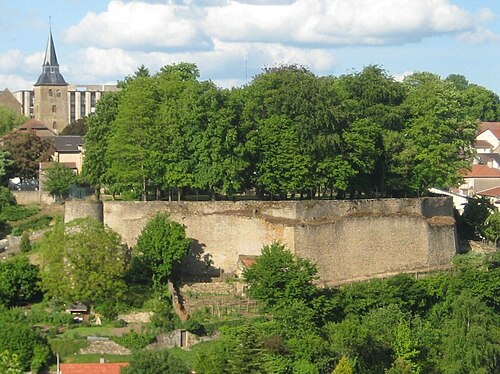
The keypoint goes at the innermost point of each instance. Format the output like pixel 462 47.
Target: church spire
pixel 50 68
pixel 50 53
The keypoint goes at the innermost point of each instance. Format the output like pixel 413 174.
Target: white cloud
pixel 338 22
pixel 480 35
pixel 400 77
pixel 142 26
pixel 14 82
pixel 12 59
pixel 194 25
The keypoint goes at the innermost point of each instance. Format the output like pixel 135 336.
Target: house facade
pixel 484 176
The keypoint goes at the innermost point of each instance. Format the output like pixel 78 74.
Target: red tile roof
pixel 494 127
pixel 482 171
pixel 106 368
pixel 495 191
pixel 247 260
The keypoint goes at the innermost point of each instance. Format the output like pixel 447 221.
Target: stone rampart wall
pixel 347 240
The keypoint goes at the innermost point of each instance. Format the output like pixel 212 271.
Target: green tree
pixel 19 282
pixel 278 275
pixel 155 362
pixel 27 150
pixel 10 119
pixel 472 222
pixel 180 115
pixel 19 338
pixel 129 146
pixel 77 127
pixel 59 179
pixel 83 260
pixel 161 244
pixel 439 131
pixel 471 342
pixel 95 167
pixel 281 118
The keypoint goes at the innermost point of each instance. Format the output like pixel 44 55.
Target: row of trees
pixel 286 133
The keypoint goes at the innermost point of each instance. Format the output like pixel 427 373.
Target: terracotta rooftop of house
pixel 106 368
pixel 247 260
pixel 495 191
pixel 482 144
pixel 38 127
pixel 482 171
pixel 494 127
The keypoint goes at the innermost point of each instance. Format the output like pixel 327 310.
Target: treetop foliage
pixel 287 133
pixel 161 244
pixel 83 260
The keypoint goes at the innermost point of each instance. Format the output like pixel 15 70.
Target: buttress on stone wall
pixel 347 240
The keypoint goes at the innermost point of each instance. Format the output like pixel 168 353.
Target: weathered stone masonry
pixel 347 240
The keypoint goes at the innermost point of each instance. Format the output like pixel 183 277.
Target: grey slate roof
pixel 67 143
pixel 50 69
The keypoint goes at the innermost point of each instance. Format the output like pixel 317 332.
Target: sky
pixel 100 41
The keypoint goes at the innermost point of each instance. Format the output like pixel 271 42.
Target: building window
pixel 54 125
pixel 54 109
pixel 50 93
pixel 58 94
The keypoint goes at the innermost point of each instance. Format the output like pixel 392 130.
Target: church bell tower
pixel 51 92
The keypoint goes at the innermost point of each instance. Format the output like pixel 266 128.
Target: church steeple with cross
pixel 51 92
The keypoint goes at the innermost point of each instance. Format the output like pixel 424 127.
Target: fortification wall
pixel 347 240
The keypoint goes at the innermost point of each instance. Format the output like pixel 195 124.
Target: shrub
pixel 17 212
pixel 25 242
pixel 134 340
pixel 33 224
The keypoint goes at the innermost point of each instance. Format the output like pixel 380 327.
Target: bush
pixel 17 212
pixel 134 340
pixel 6 197
pixel 33 224
pixel 25 242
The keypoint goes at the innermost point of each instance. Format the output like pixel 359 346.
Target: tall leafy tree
pixel 161 244
pixel 221 164
pixel 83 260
pixel 280 118
pixel 129 147
pixel 10 119
pixel 27 151
pixel 59 179
pixel 95 167
pixel 439 131
pixel 179 117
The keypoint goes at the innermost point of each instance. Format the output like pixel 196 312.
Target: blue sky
pixel 101 41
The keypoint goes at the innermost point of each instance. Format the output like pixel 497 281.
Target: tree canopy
pixel 161 244
pixel 83 260
pixel 27 150
pixel 288 133
pixel 59 179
